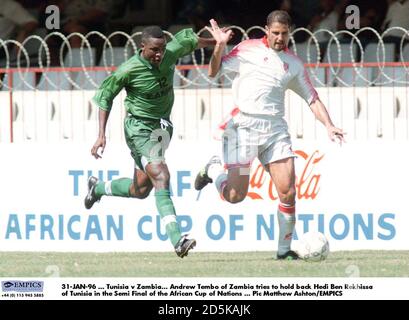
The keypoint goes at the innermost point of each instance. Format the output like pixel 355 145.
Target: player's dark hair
pixel 279 16
pixel 152 32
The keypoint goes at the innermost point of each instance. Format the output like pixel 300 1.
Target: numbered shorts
pixel 147 139
pixel 247 137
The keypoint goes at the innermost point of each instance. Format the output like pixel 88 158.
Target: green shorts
pixel 147 139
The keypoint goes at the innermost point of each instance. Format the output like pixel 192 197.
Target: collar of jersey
pixel 264 40
pixel 143 60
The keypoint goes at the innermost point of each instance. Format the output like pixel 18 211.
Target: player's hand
pixel 98 147
pixel 222 36
pixel 231 32
pixel 336 135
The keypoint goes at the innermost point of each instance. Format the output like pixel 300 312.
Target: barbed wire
pixel 16 54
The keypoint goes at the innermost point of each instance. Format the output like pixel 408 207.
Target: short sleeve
pixel 301 85
pixel 110 88
pixel 231 61
pixel 183 43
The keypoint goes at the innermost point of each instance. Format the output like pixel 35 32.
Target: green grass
pixel 201 264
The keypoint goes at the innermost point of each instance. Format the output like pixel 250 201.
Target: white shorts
pixel 249 136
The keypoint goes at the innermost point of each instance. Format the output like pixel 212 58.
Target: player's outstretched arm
pixel 101 140
pixel 321 113
pixel 221 36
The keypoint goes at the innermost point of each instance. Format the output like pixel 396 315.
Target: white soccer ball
pixel 313 246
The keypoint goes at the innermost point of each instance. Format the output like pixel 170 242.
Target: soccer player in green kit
pixel 148 80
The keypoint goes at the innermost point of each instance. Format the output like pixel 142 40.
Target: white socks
pixel 286 224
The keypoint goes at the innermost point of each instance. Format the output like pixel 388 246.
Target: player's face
pixel 278 35
pixel 153 50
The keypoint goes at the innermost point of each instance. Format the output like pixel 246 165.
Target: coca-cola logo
pixel 307 181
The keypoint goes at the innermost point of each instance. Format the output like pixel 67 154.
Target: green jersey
pixel 149 88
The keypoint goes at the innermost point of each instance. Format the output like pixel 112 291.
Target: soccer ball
pixel 313 246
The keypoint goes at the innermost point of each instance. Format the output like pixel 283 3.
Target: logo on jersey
pixel 285 65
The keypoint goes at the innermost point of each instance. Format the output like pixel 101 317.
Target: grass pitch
pixel 201 264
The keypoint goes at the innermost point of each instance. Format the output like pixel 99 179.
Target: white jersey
pixel 263 75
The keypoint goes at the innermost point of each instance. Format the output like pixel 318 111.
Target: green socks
pixel 168 216
pixel 164 204
pixel 118 187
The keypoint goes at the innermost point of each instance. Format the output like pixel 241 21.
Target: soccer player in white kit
pixel 264 69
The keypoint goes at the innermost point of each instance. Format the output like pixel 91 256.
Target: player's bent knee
pixel 235 199
pixel 161 179
pixel 234 196
pixel 288 197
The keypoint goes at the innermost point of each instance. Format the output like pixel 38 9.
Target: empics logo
pixel 22 286
pixel 8 284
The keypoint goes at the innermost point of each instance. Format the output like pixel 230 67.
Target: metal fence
pixel 363 84
pixel 344 59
